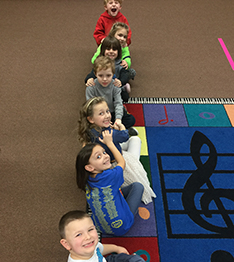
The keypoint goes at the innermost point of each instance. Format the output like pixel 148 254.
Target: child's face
pixel 104 76
pixel 81 238
pixel 113 8
pixel 122 35
pixel 111 53
pixel 98 161
pixel 101 115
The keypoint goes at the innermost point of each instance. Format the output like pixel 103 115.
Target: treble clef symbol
pixel 200 177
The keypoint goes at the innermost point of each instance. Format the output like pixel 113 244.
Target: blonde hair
pixel 103 63
pixel 84 126
pixel 106 1
pixel 116 27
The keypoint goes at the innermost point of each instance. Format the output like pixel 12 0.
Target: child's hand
pixel 124 64
pixel 107 137
pixel 118 126
pixel 118 122
pixel 114 126
pixel 117 82
pixel 121 250
pixel 90 82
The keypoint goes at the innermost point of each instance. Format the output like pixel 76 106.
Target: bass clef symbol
pixel 200 177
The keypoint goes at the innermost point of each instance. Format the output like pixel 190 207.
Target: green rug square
pixel 146 164
pixel 206 115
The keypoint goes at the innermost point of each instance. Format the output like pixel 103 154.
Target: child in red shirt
pixel 108 18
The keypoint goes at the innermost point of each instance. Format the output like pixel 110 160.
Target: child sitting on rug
pixel 111 48
pixel 113 209
pixel 94 118
pixel 108 18
pixel 79 236
pixel 104 70
pixel 120 31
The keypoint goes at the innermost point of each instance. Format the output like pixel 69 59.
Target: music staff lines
pixel 189 154
pixel 178 190
pixel 192 195
pixel 170 171
pixel 197 236
pixel 182 212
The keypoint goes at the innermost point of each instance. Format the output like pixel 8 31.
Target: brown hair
pixel 106 1
pixel 69 217
pixel 103 63
pixel 84 126
pixel 82 159
pixel 116 26
pixel 110 42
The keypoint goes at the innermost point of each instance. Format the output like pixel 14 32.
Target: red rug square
pixel 137 111
pixel 146 247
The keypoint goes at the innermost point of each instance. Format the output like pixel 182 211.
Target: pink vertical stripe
pixel 229 58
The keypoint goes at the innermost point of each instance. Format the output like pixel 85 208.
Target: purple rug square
pixel 165 115
pixel 144 224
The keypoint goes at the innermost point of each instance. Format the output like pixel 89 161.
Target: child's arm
pixel 90 75
pixel 99 32
pixel 118 104
pixel 124 64
pixel 126 56
pixel 118 126
pixel 107 139
pixel 96 54
pixel 109 248
pixel 117 82
pixel 90 82
pixel 129 33
pixel 118 122
pixel 90 92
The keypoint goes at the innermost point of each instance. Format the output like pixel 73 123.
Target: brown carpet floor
pixel 45 51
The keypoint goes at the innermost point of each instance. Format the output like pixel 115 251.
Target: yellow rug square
pixel 142 135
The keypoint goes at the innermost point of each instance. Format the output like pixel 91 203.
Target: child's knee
pixel 139 187
pixel 135 138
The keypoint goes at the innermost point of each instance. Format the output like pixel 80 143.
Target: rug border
pixel 177 100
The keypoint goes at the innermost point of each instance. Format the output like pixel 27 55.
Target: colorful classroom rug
pixel 188 152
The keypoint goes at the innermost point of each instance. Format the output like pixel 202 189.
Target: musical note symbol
pixel 207 115
pixel 221 255
pixel 164 121
pixel 200 177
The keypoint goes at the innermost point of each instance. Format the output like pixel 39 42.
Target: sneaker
pixel 127 88
pixel 132 73
pixel 132 131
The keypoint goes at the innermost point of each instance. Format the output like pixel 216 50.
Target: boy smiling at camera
pixel 79 236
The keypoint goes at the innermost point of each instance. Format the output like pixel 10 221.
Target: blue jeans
pixel 124 258
pixel 133 194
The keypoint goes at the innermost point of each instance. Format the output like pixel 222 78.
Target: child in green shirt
pixel 120 31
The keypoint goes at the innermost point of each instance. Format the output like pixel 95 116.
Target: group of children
pixel 108 166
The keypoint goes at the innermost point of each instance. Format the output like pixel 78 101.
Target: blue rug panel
pixel 190 166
